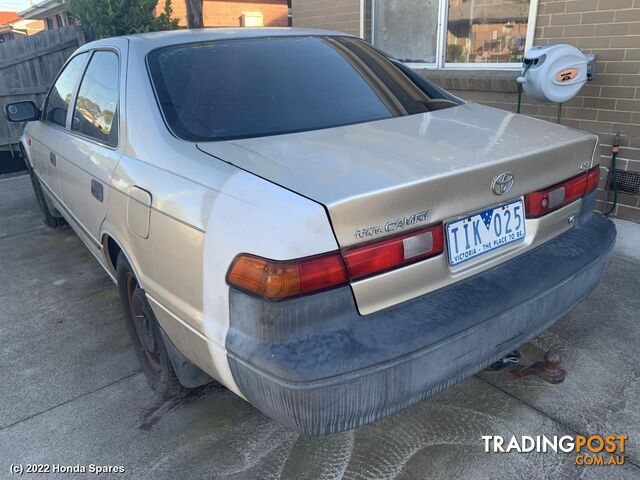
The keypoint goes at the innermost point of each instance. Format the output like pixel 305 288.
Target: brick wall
pixel 218 13
pixel 341 15
pixel 609 103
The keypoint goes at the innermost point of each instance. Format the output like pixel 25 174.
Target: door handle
pixel 52 159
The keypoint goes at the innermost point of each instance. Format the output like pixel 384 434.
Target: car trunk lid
pixel 441 162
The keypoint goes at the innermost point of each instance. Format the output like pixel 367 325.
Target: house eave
pixel 43 10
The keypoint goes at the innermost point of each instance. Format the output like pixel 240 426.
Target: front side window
pixel 486 32
pixel 59 98
pixel 244 88
pixel 95 110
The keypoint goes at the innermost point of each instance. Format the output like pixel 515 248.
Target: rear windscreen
pixel 228 89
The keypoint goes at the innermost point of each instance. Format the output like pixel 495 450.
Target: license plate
pixel 485 231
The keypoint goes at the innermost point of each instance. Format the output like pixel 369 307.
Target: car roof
pixel 152 40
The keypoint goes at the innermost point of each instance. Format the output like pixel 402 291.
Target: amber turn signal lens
pixel 276 280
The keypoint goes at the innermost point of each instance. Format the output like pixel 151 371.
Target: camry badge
pixel 395 224
pixel 502 183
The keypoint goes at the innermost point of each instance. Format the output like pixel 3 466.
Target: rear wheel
pixel 145 334
pixel 50 216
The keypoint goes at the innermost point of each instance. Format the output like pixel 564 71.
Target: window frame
pixel 74 98
pixel 45 104
pixel 441 40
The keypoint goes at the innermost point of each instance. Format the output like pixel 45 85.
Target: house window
pixel 454 33
pixel 407 29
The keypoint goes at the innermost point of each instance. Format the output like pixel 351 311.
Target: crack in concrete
pixel 18 234
pixel 66 402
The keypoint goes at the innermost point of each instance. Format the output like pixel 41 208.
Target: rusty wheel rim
pixel 142 324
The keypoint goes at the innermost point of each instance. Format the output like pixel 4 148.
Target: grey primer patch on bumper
pixel 317 366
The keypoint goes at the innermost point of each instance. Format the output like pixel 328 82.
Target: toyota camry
pixel 309 222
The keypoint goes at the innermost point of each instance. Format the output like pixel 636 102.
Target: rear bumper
pixel 316 365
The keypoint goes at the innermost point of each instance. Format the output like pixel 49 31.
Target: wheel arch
pixel 111 248
pixel 25 153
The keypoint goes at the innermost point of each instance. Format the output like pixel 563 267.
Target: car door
pixel 47 134
pixel 89 156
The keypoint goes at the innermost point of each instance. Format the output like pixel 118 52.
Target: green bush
pixel 111 18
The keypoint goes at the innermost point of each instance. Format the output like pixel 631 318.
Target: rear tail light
pixel 276 280
pixel 377 257
pixel 552 198
pixel 593 179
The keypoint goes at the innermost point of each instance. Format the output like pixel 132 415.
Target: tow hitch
pixel 548 369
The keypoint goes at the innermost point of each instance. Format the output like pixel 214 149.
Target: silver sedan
pixel 308 221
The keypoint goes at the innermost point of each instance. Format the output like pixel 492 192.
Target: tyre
pixel 50 216
pixel 145 334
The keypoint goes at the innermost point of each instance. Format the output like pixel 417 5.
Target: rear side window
pixel 244 88
pixel 96 107
pixel 60 95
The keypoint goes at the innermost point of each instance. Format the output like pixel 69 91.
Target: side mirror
pixel 24 111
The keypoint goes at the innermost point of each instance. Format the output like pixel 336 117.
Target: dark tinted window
pixel 60 95
pixel 95 110
pixel 255 87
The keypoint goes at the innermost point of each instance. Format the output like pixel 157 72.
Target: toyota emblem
pixel 502 183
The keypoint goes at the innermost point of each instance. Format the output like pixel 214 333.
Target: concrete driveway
pixel 71 392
